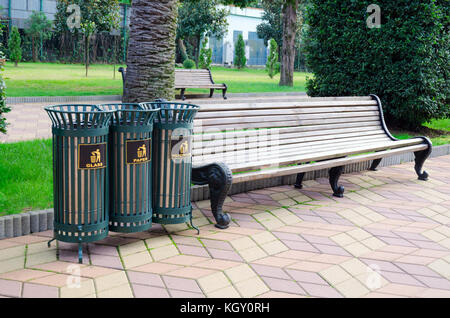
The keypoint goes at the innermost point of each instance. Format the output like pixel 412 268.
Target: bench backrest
pixel 224 132
pixel 185 77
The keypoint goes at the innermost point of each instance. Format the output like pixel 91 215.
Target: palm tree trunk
pixel 288 50
pixel 151 54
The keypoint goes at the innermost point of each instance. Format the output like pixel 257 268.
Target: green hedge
pixel 404 62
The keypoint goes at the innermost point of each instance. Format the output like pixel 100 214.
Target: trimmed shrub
pixel 239 53
pixel 272 65
pixel 205 58
pixel 404 61
pixel 3 107
pixel 188 63
pixel 14 43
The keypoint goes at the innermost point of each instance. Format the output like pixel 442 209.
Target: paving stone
pixel 251 287
pixel 183 284
pixel 39 291
pixel 324 291
pixel 10 288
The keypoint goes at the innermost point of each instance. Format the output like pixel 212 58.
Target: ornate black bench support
pixel 375 164
pixel 335 173
pixel 219 178
pixel 299 180
pixel 224 91
pixel 421 156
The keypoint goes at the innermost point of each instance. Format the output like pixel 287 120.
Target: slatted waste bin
pixel 80 175
pixel 172 160
pixel 130 162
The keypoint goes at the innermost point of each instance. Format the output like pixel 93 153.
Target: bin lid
pixel 130 114
pixel 78 116
pixel 173 112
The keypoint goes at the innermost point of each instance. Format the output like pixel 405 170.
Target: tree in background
pixel 88 29
pixel 239 53
pixel 205 58
pixel 14 46
pixel 289 12
pixel 404 61
pixel 198 18
pixel 272 65
pixel 151 51
pixel 272 25
pixel 39 29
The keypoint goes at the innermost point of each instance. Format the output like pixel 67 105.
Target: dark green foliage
pixel 239 53
pixel 405 61
pixel 272 65
pixel 14 42
pixel 188 63
pixel 3 107
pixel 205 60
pixel 38 29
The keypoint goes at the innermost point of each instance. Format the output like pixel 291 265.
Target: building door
pixel 216 46
pixel 258 51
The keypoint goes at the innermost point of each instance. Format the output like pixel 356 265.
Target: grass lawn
pixel 52 79
pixel 26 171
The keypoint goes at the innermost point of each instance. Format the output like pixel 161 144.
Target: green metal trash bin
pixel 130 158
pixel 172 161
pixel 80 175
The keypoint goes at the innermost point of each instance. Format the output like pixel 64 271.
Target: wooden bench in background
pixel 196 78
pixel 310 134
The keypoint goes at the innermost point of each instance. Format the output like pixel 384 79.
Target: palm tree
pixel 151 51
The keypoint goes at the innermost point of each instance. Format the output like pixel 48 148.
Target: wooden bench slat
pixel 282 150
pixel 325 155
pixel 264 174
pixel 256 141
pixel 308 130
pixel 290 104
pixel 299 117
pixel 283 112
pixel 363 121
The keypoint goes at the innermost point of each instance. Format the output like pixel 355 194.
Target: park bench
pixel 264 140
pixel 185 78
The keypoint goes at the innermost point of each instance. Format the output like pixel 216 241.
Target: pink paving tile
pixel 227 255
pixel 288 236
pixel 193 250
pixel 401 278
pixel 429 245
pixel 306 277
pixel 106 261
pixel 217 244
pixel 142 278
pixel 382 265
pixel 396 241
pixel 318 239
pixel 270 271
pixel 321 290
pixel 142 291
pixel 72 256
pixel 415 269
pixel 184 284
pixel 39 291
pixel 102 249
pixel 300 246
pixel 185 294
pixel 334 250
pixel 434 282
pixel 10 288
pixel 282 285
pixel 251 225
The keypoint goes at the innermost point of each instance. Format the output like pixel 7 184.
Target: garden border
pixel 42 220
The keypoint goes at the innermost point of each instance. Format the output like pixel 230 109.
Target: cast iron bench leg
pixel 211 92
pixel 219 178
pixel 299 180
pixel 335 173
pixel 224 93
pixel 420 157
pixel 182 94
pixel 375 164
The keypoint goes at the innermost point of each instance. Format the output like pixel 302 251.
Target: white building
pixel 240 21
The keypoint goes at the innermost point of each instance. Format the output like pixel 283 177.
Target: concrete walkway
pixel 389 237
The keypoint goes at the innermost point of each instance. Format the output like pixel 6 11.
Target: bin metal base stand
pixel 192 224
